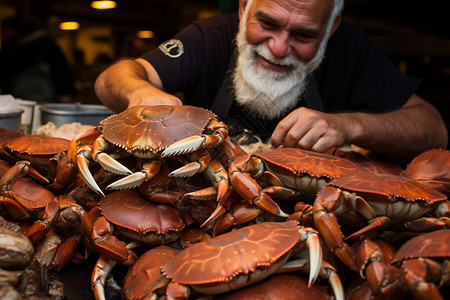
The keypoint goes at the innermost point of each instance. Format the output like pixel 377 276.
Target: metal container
pixel 86 114
pixel 11 120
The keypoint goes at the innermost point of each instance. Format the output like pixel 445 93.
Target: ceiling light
pixel 69 26
pixel 103 4
pixel 145 34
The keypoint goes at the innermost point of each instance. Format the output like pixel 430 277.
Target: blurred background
pixel 414 34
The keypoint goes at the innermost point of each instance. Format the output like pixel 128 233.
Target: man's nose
pixel 279 44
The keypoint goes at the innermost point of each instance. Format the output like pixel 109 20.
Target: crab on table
pixel 128 214
pixel 286 173
pixel 424 264
pixel 151 133
pixel 381 200
pixel 243 257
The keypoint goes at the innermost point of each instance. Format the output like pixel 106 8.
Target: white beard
pixel 269 93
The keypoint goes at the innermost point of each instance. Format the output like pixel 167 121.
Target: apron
pixel 251 130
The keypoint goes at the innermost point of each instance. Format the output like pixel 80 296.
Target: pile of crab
pixel 162 192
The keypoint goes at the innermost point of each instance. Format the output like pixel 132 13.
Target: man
pixel 301 73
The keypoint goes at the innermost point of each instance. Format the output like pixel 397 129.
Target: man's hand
pixel 312 130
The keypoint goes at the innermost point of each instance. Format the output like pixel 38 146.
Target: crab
pixel 432 168
pixel 151 133
pixel 424 264
pixel 286 173
pixel 243 257
pixel 46 155
pixel 382 200
pixel 22 197
pixel 127 212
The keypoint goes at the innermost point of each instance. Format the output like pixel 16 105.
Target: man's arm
pixel 402 133
pixel 130 83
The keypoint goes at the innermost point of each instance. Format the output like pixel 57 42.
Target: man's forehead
pixel 312 12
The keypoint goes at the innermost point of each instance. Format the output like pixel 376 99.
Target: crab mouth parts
pixel 146 153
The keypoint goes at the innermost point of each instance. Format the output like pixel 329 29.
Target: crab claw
pixel 328 271
pixel 131 181
pixel 315 254
pixel 83 167
pixel 187 170
pixel 184 146
pixel 110 164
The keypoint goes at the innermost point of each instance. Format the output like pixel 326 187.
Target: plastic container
pixel 86 114
pixel 11 120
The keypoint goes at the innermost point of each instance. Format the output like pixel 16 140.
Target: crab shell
pixel 37 145
pixel 385 188
pixel 431 245
pixel 151 129
pixel 213 265
pixel 140 219
pixel 432 168
pixel 294 161
pixel 38 149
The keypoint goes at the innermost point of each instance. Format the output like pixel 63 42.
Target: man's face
pixel 279 43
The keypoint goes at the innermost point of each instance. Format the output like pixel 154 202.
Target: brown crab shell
pixel 294 162
pixel 226 256
pixel 388 188
pixel 37 145
pixel 154 127
pixel 432 244
pixel 129 210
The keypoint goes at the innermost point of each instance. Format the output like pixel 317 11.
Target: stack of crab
pixel 164 192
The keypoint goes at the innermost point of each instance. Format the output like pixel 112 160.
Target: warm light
pixel 69 26
pixel 103 4
pixel 145 34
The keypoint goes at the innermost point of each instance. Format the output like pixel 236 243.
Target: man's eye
pixel 267 24
pixel 301 36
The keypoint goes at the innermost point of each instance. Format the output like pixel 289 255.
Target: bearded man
pixel 291 71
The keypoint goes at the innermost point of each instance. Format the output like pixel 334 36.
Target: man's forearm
pixel 402 133
pixel 126 84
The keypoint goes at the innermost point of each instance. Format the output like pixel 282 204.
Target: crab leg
pixel 102 269
pixel 241 172
pixel 328 226
pixel 193 143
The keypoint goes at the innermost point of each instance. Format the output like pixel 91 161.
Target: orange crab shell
pixel 432 244
pixel 37 145
pixel 154 127
pixel 293 161
pixel 233 253
pixel 385 187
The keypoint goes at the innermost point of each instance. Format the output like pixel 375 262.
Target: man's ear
pixel 242 5
pixel 336 23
